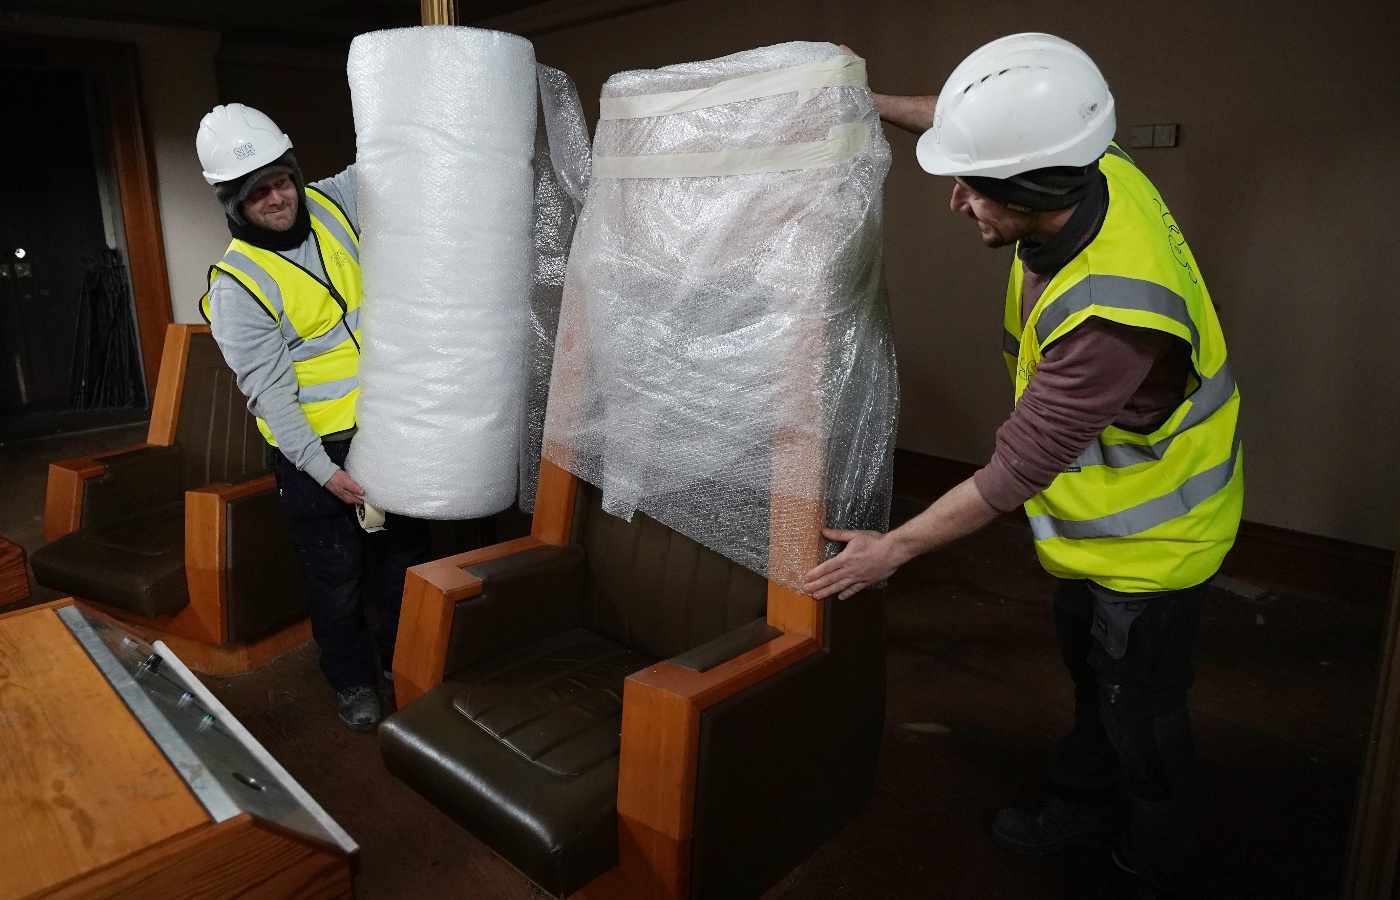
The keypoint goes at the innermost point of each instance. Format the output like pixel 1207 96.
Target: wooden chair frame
pixel 661 704
pixel 199 632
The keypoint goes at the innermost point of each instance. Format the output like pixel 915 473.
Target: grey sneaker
pixel 359 707
pixel 1049 824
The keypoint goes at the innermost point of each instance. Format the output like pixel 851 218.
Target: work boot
pixel 358 707
pixel 1049 824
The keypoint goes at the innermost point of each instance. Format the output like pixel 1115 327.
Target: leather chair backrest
pixel 655 591
pixel 218 438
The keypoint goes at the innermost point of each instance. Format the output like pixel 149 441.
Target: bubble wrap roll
pixel 724 360
pixel 445 123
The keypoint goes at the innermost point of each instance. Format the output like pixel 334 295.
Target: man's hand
pixel 866 560
pixel 345 488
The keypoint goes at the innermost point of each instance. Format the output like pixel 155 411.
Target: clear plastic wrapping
pixel 445 123
pixel 724 361
pixel 561 182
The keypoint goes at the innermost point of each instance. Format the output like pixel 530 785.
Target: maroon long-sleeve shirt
pixel 1100 374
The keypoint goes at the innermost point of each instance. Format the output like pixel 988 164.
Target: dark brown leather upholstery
pixel 218 437
pixel 784 764
pixel 557 702
pixel 130 551
pixel 133 483
pixel 560 832
pixel 266 588
pixel 655 590
pixel 519 743
pixel 135 563
pixel 528 597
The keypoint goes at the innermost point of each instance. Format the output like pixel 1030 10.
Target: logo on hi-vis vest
pixel 340 258
pixel 1175 239
pixel 1027 369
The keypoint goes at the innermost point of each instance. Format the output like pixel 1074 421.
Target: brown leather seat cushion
pixel 558 703
pixel 522 751
pixel 136 563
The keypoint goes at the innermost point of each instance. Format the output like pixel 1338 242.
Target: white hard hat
pixel 1022 102
pixel 234 140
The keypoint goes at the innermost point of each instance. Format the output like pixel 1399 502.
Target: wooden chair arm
pixel 206 551
pixel 63 502
pixel 661 710
pixel 430 594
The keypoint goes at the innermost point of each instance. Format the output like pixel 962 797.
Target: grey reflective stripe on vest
pixel 1010 343
pixel 1114 151
pixel 332 224
pixel 1116 292
pixel 313 347
pixel 1209 399
pixel 1137 519
pixel 268 285
pixel 327 390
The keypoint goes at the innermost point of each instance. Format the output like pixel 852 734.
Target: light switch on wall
pixel 1152 136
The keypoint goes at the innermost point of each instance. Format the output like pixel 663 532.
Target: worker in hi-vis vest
pixel 1123 444
pixel 284 306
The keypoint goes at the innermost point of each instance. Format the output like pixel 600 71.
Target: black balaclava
pixel 231 195
pixel 1039 190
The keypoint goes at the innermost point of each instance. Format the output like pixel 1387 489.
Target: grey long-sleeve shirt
pixel 254 348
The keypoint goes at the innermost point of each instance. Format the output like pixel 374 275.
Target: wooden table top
pixel 81 784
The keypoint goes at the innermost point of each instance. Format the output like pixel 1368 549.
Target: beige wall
pixel 1286 183
pixel 177 89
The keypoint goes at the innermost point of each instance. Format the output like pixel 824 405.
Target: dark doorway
pixel 69 357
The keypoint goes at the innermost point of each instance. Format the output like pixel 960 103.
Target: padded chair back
pixel 654 590
pixel 218 438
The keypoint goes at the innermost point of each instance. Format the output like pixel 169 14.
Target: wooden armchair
pixel 181 536
pixel 621 712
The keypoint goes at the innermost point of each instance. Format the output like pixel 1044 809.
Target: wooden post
pixel 439 12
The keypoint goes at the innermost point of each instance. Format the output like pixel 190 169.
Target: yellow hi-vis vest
pixel 1137 512
pixel 319 320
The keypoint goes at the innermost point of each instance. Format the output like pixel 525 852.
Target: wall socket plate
pixel 1143 136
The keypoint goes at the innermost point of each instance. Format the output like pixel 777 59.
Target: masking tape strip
pixel 371 517
pixel 805 79
pixel 843 143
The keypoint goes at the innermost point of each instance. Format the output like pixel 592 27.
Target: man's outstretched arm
pixel 913 114
pixel 871 557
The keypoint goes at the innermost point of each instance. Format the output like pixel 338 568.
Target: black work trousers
pixel 1132 733
pixel 342 563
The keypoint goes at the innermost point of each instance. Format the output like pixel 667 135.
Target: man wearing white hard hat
pixel 284 306
pixel 1123 444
